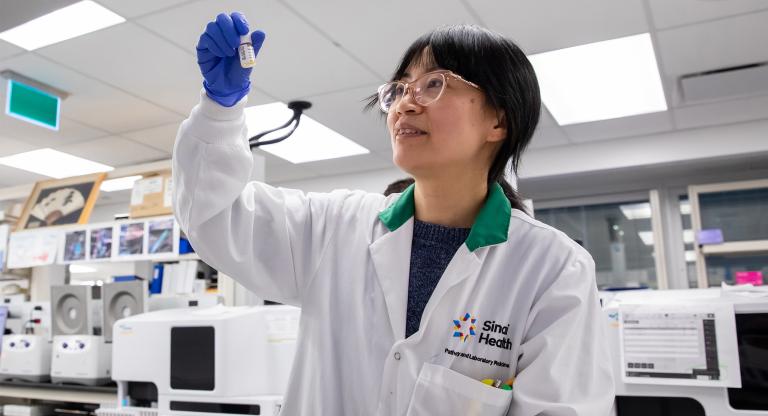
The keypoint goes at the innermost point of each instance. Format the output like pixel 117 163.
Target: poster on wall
pixel 73 247
pixel 162 236
pixel 4 229
pixel 100 239
pixel 32 248
pixel 61 202
pixel 131 239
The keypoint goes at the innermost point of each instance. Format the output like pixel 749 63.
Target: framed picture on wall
pixel 100 239
pixel 61 202
pixel 73 246
pixel 162 237
pixel 130 238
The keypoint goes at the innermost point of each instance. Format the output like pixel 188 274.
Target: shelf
pixel 736 247
pixel 188 256
pixel 59 393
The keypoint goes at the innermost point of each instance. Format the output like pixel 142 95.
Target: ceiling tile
pixel 24 11
pixel 345 113
pixel 144 64
pixel 7 49
pixel 10 146
pixel 541 26
pixel 92 102
pixel 295 59
pixel 719 44
pixel 277 170
pixel 351 164
pixel 548 137
pixel 713 114
pixel 380 32
pixel 683 12
pixel 70 131
pixel 621 127
pixel 134 8
pixel 545 118
pixel 114 151
pixel 12 177
pixel 160 137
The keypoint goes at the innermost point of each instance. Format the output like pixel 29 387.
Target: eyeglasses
pixel 425 89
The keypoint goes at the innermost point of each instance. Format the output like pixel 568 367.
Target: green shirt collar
pixel 490 227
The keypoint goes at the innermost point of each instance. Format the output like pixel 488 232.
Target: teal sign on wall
pixel 33 105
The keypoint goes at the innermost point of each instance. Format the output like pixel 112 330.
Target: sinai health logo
pixel 464 327
pixel 493 334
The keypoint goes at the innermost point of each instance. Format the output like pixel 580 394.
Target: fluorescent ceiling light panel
pixel 636 211
pixel 119 184
pixel 646 236
pixel 53 163
pixel 62 24
pixel 310 142
pixel 600 81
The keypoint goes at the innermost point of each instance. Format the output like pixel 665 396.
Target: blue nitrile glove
pixel 225 81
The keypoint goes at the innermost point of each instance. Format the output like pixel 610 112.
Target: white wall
pixel 683 154
pixel 713 142
pixel 371 181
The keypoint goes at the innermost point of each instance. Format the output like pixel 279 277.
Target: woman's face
pixel 457 132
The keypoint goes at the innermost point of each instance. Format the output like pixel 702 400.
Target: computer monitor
pixel 752 337
pixel 751 316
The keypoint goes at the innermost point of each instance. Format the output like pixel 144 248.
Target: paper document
pixel 32 248
pixel 690 344
pixel 4 230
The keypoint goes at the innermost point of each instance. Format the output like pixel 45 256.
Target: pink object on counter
pixel 755 278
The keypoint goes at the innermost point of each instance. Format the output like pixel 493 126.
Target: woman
pixel 409 301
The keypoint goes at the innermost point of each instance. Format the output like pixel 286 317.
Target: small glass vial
pixel 245 50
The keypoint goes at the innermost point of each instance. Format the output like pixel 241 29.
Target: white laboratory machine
pixel 82 323
pixel 26 351
pixel 751 320
pixel 204 361
pixel 176 301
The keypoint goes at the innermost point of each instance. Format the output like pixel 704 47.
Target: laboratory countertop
pixel 59 392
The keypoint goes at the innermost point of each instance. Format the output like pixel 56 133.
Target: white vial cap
pixel 245 39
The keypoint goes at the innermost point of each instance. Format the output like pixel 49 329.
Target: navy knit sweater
pixel 432 249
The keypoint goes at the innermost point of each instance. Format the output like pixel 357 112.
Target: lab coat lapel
pixel 391 256
pixel 464 263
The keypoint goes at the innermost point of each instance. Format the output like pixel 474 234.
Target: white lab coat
pixel 527 286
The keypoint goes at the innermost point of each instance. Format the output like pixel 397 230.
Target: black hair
pixel 505 76
pixel 398 186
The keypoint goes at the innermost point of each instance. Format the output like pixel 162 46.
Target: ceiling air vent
pixel 726 83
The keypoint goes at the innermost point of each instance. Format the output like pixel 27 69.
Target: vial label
pixel 247 55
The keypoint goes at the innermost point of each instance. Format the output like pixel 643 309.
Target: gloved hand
pixel 225 81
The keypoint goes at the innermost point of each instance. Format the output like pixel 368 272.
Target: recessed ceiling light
pixel 310 142
pixel 119 184
pixel 637 211
pixel 600 81
pixel 646 236
pixel 62 24
pixel 53 163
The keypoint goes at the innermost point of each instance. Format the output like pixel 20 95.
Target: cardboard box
pixel 152 196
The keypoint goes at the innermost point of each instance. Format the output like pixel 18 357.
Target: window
pixel 688 242
pixel 733 217
pixel 619 237
pixel 740 214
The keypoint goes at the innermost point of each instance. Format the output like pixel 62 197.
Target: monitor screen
pixel 752 338
pixel 193 358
